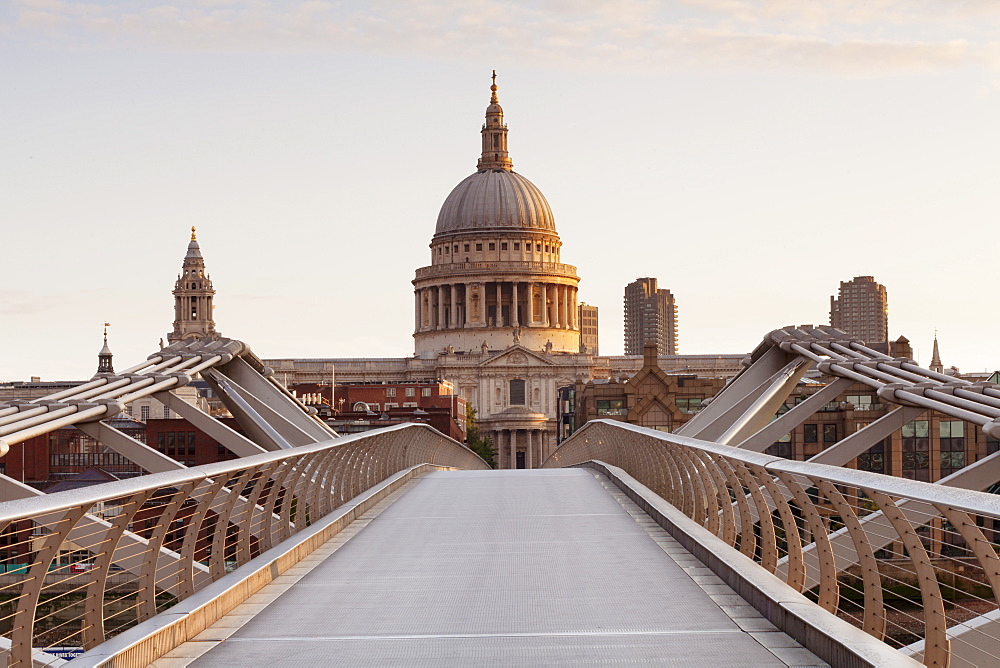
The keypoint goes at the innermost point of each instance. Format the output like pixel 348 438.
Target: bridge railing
pixel 911 563
pixel 68 578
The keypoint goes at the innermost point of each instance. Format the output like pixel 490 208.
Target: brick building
pixel 651 398
pixel 363 406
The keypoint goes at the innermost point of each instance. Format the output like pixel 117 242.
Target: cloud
pixel 850 37
pixel 20 302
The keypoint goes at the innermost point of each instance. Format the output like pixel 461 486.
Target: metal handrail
pixel 175 532
pixel 792 518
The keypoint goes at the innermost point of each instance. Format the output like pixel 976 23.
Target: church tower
pixel 193 294
pixel 104 358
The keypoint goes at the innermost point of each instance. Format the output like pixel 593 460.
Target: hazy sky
pixel 751 155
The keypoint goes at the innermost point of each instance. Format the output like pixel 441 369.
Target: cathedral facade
pixel 496 313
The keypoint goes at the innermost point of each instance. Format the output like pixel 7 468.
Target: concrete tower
pixel 650 315
pixel 193 294
pixel 862 310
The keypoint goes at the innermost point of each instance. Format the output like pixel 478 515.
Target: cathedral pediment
pixel 517 356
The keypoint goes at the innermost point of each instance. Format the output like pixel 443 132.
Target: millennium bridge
pixel 401 547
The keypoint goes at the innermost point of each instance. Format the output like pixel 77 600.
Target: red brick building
pixel 363 406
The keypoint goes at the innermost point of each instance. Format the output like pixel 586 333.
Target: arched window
pixel 517 392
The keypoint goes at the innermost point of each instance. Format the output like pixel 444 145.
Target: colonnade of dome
pixel 499 303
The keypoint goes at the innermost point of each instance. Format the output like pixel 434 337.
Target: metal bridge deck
pixel 519 568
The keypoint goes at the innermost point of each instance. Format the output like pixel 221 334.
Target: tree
pixel 479 444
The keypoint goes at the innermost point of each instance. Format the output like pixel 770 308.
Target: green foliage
pixel 479 444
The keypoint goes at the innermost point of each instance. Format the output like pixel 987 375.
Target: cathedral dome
pixel 495 199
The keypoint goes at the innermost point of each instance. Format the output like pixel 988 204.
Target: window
pixel 689 404
pixel 611 407
pixel 538 248
pixel 873 459
pixel 409 404
pixel 144 413
pixel 517 245
pixel 503 246
pixel 493 246
pixel 390 404
pixel 479 247
pixel 411 392
pixel 425 392
pixel 916 450
pixel 466 248
pixel 517 392
pixel 166 413
pixel 390 391
pixel 810 433
pixel 861 402
pixel 780 449
pixel 952 435
pixel 829 433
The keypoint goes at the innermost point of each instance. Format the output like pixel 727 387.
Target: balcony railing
pixel 497 267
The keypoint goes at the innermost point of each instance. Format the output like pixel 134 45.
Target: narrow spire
pixel 494 133
pixel 194 250
pixel 936 357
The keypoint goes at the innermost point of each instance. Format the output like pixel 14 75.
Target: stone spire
pixel 104 364
pixel 936 357
pixel 193 294
pixel 495 135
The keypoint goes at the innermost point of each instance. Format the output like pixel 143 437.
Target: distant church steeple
pixel 936 357
pixel 104 364
pixel 193 294
pixel 495 135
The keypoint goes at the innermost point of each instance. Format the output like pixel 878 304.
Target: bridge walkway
pixel 539 567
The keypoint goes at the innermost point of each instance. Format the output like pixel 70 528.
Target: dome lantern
pixel 494 133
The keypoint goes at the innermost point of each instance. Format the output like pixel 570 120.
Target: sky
pixel 750 155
